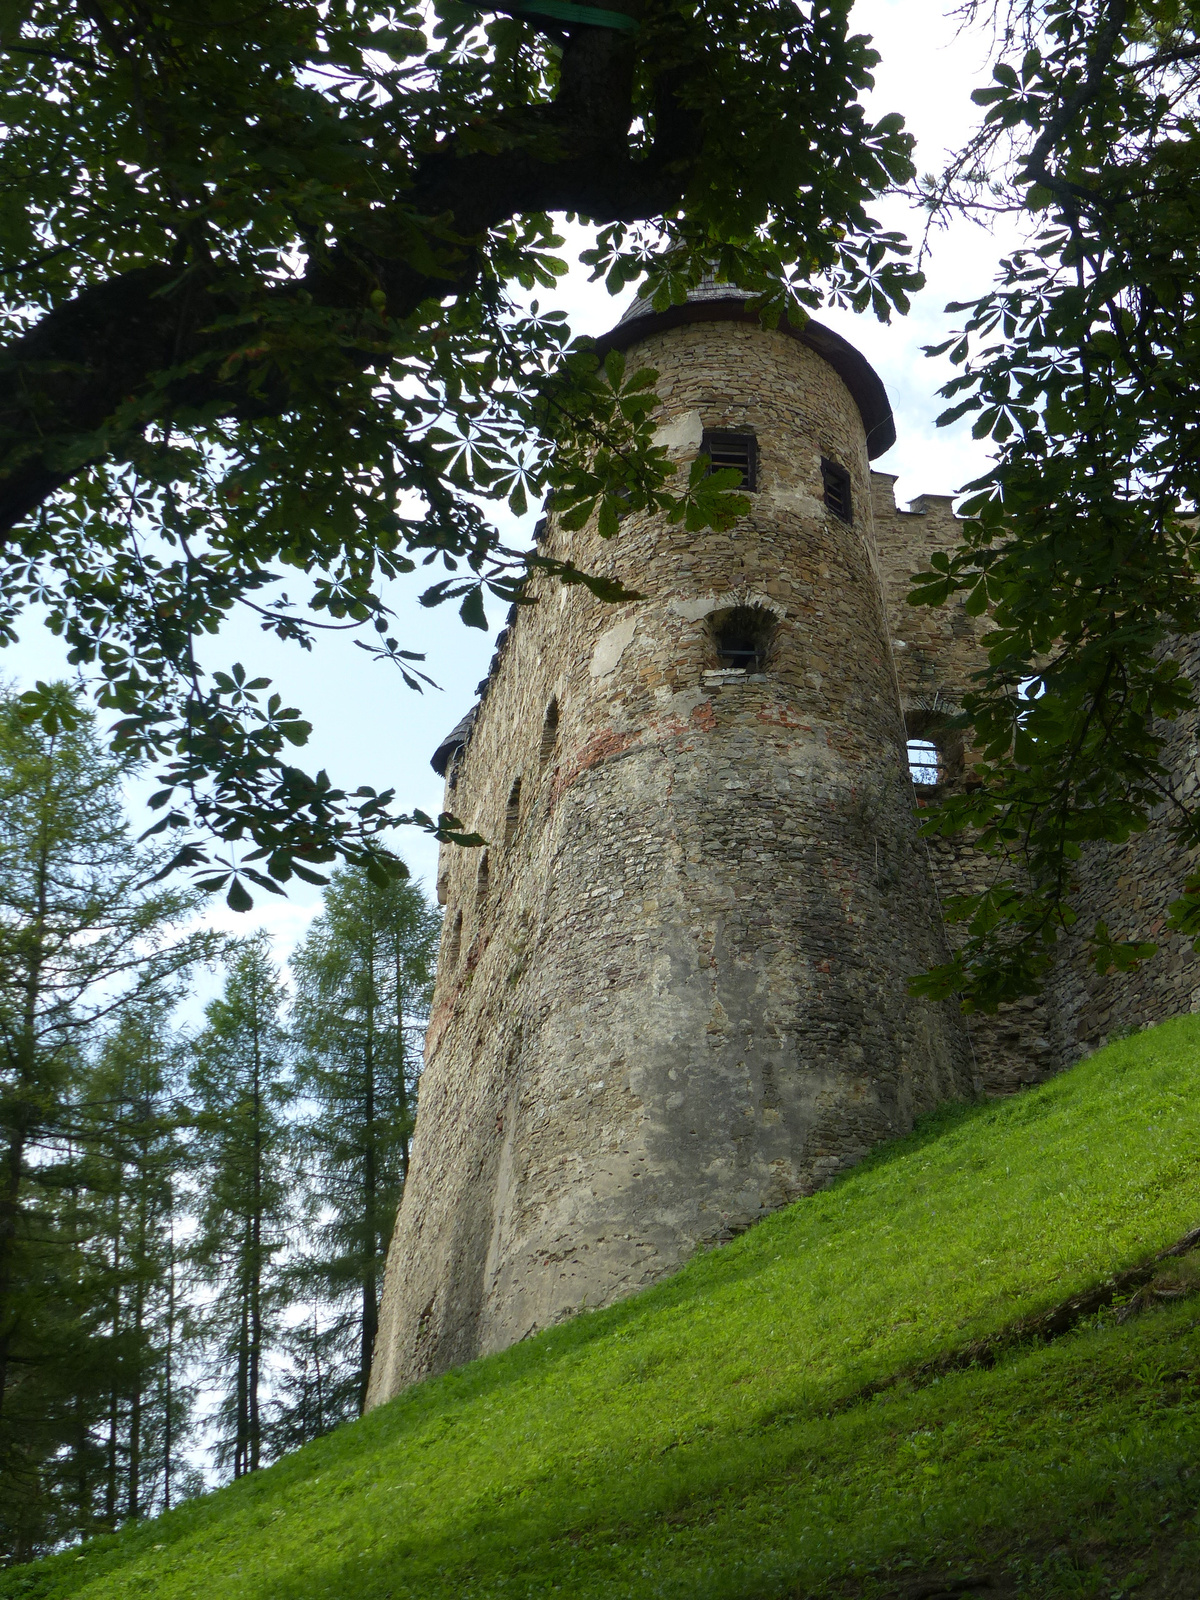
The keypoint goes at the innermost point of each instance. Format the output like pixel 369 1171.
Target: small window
pixel 924 765
pixel 738 450
pixel 837 490
pixel 549 735
pixel 482 879
pixel 743 636
pixel 512 814
pixel 454 942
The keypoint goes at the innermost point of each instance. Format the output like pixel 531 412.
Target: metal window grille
pixel 739 450
pixel 923 763
pixel 837 490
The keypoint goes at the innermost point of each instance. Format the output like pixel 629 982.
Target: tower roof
pixel 453 742
pixel 711 301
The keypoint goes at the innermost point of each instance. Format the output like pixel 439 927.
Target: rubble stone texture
pixel 672 992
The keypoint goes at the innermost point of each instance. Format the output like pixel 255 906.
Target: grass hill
pixel 928 1380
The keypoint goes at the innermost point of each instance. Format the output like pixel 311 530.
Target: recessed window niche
pixel 736 450
pixel 512 813
pixel 549 735
pixel 742 638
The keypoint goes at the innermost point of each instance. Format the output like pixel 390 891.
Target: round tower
pixel 672 992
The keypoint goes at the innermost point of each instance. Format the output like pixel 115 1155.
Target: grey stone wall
pixel 1129 886
pixel 679 1001
pixel 937 649
pixel 671 994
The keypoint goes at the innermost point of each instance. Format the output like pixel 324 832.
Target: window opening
pixel 739 450
pixel 837 489
pixel 549 734
pixel 454 943
pixel 924 765
pixel 743 637
pixel 482 879
pixel 512 814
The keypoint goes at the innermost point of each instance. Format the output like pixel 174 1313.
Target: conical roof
pixel 706 291
pixel 453 742
pixel 711 301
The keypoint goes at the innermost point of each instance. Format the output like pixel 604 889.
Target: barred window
pixel 837 489
pixel 739 450
pixel 924 764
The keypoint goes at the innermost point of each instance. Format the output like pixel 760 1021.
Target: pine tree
pixel 134 1156
pixel 363 976
pixel 84 935
pixel 314 1389
pixel 240 1087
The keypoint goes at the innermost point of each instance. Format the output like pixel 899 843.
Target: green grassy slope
pixel 704 1438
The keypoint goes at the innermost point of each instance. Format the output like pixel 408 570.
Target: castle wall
pixel 680 1000
pixel 937 650
pixel 1129 886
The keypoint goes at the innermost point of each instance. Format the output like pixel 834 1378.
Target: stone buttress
pixel 671 993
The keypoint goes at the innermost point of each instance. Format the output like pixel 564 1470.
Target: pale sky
pixel 370 729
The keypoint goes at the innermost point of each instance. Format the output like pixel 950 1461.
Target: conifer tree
pixel 84 934
pixel 363 977
pixel 244 1147
pixel 134 1157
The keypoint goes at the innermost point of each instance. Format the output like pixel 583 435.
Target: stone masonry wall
pixel 1129 886
pixel 937 650
pixel 675 998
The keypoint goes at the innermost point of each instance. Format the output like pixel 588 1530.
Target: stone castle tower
pixel 671 991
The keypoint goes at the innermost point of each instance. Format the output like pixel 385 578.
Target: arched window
pixel 512 813
pixel 481 880
pixel 454 941
pixel 924 763
pixel 743 636
pixel 549 735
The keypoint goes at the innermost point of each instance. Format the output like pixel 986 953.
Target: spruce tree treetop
pixel 266 337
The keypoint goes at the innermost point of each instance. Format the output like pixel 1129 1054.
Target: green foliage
pixel 140 1335
pixel 715 1437
pixel 84 937
pixel 243 1147
pixel 1081 367
pixel 364 979
pixel 265 288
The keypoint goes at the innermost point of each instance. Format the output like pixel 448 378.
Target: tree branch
pixel 84 363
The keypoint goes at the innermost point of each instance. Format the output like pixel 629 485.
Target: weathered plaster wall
pixel 680 1000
